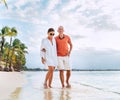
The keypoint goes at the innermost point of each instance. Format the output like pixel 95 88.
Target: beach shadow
pixel 15 94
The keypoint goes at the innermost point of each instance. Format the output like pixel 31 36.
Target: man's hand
pixel 69 53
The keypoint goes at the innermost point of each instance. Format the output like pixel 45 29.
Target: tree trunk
pixel 7 61
pixel 2 44
pixel 10 62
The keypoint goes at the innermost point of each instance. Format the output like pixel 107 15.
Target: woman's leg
pixel 51 75
pixel 46 79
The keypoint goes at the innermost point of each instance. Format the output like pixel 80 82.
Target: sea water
pixel 107 82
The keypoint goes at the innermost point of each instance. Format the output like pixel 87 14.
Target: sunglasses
pixel 52 34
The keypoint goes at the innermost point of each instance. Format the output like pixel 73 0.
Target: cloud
pixel 90 58
pixel 70 5
pixel 89 23
pixel 92 14
pixel 26 11
pixel 103 22
pixel 51 5
pixel 77 36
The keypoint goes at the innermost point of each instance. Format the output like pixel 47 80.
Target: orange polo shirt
pixel 62 45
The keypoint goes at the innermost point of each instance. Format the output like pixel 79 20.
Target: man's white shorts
pixel 64 63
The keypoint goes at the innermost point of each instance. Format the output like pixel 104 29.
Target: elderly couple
pixel 56 52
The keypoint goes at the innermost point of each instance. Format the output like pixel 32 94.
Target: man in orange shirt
pixel 64 47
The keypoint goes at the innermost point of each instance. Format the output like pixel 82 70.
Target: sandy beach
pixel 85 86
pixel 9 81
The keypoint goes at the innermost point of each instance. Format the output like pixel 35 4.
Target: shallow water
pixel 86 85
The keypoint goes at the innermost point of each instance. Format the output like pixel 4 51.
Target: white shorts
pixel 63 63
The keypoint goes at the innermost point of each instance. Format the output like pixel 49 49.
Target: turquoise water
pixel 104 80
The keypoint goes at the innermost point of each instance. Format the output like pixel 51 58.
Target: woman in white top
pixel 49 56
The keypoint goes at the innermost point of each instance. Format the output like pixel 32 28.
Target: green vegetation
pixel 12 53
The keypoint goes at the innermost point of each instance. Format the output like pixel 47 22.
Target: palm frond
pixel 4 3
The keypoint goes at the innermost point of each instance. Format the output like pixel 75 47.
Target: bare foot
pixel 45 86
pixel 63 86
pixel 50 86
pixel 68 86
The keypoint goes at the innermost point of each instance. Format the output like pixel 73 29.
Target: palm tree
pixel 13 52
pixel 5 51
pixel 18 53
pixel 4 55
pixel 3 33
pixel 23 48
pixel 11 33
pixel 21 60
pixel 15 49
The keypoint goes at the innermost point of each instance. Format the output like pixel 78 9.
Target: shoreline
pixel 85 86
pixel 73 69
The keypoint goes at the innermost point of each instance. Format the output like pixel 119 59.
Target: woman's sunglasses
pixel 52 34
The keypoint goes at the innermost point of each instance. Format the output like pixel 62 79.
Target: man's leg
pixel 68 74
pixel 62 78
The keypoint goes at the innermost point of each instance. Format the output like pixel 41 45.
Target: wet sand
pixel 9 81
pixel 33 89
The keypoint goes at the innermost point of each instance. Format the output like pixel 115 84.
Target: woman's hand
pixel 43 60
pixel 43 50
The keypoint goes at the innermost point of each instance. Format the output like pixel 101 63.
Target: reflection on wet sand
pixel 47 94
pixel 63 94
pixel 15 94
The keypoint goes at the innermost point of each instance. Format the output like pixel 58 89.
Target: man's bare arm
pixel 71 46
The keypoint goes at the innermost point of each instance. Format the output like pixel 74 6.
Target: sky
pixel 93 25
